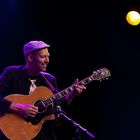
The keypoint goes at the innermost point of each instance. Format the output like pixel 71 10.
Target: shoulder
pixel 10 72
pixel 12 69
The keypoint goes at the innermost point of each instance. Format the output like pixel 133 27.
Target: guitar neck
pixel 97 75
pixel 70 89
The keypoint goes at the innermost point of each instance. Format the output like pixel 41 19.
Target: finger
pixel 78 88
pixel 76 81
pixel 81 87
pixel 31 115
pixel 33 110
pixel 34 107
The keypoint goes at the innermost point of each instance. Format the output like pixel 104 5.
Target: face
pixel 39 60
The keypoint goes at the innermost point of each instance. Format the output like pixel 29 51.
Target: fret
pixel 70 89
pixel 86 80
pixel 66 91
pixel 62 93
pixel 58 96
pixel 48 101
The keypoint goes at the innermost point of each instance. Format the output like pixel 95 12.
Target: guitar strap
pixel 49 84
pixel 56 102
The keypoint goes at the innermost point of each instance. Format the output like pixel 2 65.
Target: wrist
pixel 14 107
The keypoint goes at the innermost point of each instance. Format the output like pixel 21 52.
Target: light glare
pixel 133 18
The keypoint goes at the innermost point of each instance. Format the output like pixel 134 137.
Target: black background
pixel 84 36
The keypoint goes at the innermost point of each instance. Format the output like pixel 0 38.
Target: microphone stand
pixel 77 126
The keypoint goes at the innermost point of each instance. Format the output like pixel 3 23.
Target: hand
pixel 24 109
pixel 79 87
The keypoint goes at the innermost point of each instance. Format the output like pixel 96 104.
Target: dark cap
pixel 33 46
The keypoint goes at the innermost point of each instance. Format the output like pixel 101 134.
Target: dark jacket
pixel 15 79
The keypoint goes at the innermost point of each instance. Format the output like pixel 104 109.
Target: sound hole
pixel 41 106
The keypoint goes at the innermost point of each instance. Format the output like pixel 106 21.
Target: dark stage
pixel 84 37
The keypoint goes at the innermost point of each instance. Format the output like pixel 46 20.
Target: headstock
pixel 100 74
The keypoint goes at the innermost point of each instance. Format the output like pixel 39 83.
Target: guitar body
pixel 14 126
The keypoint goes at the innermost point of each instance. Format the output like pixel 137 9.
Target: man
pixel 24 80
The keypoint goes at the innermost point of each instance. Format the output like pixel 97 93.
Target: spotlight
pixel 133 18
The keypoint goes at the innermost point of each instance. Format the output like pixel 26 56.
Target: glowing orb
pixel 133 18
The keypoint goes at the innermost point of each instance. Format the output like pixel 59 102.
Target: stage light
pixel 133 18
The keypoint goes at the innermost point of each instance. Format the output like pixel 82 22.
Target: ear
pixel 30 58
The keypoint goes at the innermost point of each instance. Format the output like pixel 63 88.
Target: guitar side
pixel 11 122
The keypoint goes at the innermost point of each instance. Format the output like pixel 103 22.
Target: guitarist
pixel 24 79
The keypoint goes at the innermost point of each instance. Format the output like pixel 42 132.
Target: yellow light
pixel 133 18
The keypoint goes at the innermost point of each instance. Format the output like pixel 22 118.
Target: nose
pixel 47 60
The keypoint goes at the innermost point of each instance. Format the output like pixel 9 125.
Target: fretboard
pixel 97 75
pixel 70 89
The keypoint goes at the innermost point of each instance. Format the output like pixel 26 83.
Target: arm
pixel 23 109
pixel 6 80
pixel 77 91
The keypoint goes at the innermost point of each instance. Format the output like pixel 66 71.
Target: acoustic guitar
pixel 16 127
